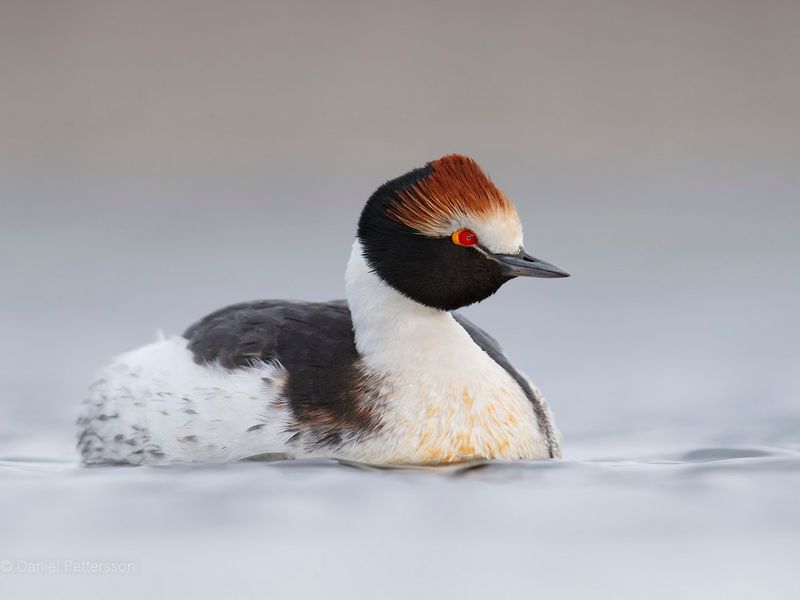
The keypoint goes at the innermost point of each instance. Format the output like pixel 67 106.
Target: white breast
pixel 456 415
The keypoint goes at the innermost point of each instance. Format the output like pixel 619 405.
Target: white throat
pixel 393 332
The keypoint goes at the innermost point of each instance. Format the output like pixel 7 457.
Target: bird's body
pixel 390 376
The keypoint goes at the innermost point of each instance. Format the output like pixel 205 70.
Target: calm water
pixel 695 522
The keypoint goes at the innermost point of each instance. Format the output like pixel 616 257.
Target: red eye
pixel 464 237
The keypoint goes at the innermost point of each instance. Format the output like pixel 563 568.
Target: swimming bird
pixel 390 376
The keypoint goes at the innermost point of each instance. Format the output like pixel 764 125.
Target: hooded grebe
pixel 390 376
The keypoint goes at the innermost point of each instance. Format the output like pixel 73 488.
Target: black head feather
pixel 430 270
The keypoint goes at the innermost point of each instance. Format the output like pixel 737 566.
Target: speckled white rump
pixel 155 403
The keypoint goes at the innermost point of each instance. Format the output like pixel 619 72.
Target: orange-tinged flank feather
pixel 456 188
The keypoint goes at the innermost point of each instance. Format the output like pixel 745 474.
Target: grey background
pixel 161 159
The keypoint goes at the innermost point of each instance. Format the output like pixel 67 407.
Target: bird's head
pixel 445 236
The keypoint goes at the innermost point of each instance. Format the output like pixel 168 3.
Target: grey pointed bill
pixel 523 264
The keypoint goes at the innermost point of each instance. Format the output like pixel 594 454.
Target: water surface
pixel 702 522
